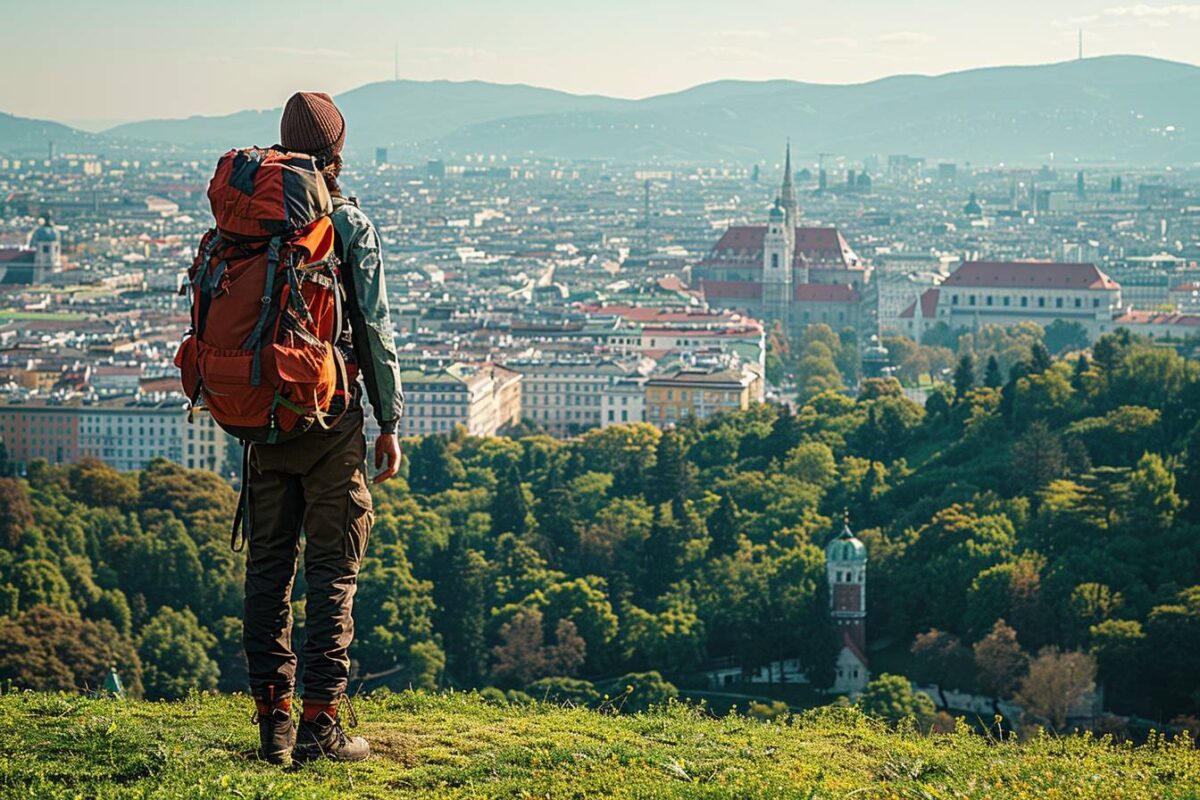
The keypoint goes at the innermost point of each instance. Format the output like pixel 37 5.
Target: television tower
pixel 1081 44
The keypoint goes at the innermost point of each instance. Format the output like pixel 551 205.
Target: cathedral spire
pixel 787 170
pixel 787 192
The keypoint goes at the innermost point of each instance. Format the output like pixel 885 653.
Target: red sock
pixel 265 706
pixel 314 707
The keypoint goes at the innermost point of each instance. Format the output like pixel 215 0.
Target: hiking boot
pixel 276 734
pixel 323 737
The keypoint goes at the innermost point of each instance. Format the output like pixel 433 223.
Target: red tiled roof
pixel 647 314
pixel 744 243
pixel 160 385
pixel 1134 317
pixel 848 643
pixel 671 283
pixel 1030 275
pixel 929 302
pixel 825 293
pixel 736 332
pixel 8 254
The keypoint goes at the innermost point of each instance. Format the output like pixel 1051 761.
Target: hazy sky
pixel 129 59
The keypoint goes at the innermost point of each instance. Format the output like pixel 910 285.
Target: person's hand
pixel 387 450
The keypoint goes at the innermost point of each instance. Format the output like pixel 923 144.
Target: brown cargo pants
pixel 313 483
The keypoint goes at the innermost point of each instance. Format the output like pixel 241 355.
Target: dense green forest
pixel 1035 510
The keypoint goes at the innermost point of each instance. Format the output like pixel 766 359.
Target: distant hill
pixel 30 138
pixel 1104 109
pixel 399 114
pixel 1120 109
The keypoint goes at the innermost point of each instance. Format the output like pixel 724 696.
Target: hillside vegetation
pixel 1039 514
pixel 459 746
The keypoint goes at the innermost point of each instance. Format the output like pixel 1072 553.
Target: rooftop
pixel 1030 275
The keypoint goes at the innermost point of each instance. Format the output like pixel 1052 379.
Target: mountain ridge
pixel 1115 109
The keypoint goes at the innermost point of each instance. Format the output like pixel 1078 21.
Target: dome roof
pixel 846 547
pixel 44 233
pixel 777 214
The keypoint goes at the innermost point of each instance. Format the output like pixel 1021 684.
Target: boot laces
pixel 351 716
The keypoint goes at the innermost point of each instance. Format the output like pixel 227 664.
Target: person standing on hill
pixel 315 482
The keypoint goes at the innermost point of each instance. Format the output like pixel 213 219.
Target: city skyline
pixel 128 61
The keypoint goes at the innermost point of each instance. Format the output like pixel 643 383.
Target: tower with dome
pixel 846 567
pixel 34 263
pixel 846 563
pixel 47 251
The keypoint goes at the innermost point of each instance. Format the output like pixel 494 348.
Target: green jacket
pixel 370 334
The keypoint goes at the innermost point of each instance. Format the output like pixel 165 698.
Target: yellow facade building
pixel 700 393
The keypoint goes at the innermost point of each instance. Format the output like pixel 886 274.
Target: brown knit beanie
pixel 312 124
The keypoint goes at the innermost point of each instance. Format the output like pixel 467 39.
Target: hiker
pixel 315 482
pixel 289 310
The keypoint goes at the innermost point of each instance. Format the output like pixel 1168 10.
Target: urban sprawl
pixel 570 296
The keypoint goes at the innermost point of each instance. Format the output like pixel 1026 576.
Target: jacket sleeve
pixel 367 310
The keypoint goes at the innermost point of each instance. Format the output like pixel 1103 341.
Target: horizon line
pixel 632 99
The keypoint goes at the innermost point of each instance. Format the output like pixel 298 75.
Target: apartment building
pixel 624 402
pixel 565 396
pixel 506 386
pixel 746 340
pixel 125 433
pixel 438 400
pixel 701 392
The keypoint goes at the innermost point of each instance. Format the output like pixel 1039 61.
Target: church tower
pixel 846 566
pixel 779 250
pixel 47 251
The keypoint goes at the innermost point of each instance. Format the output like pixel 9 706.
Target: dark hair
pixel 330 173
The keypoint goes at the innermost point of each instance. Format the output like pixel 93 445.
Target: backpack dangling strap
pixel 194 401
pixel 240 531
pixel 343 375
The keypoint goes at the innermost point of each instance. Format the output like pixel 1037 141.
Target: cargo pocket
pixel 229 391
pixel 306 374
pixel 186 361
pixel 360 515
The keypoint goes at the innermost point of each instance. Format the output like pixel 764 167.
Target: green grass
pixel 57 746
pixel 10 315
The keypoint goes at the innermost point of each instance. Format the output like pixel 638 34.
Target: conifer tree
pixel 671 478
pixel 992 377
pixel 723 526
pixel 1039 358
pixel 964 376
pixel 510 510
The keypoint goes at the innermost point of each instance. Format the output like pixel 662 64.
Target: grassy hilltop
pixel 459 746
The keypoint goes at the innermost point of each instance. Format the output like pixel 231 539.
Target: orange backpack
pixel 266 300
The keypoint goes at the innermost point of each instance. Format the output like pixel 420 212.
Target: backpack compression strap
pixel 240 531
pixel 255 339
